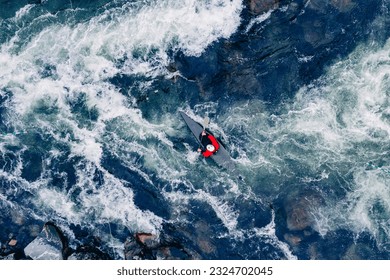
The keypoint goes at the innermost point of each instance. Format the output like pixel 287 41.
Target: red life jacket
pixel 214 142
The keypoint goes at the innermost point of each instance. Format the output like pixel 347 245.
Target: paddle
pixel 206 122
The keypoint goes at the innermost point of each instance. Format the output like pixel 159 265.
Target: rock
pixel 206 246
pixel 293 240
pixel 202 239
pixel 8 257
pixel 48 245
pixel 318 5
pixel 147 239
pixel 164 254
pixel 343 5
pixel 146 246
pixel 261 6
pixel 358 252
pixel 173 253
pixel 314 253
pixel 17 217
pixel 133 249
pixel 313 32
pixel 88 252
pixel 4 250
pixel 298 218
pixel 12 242
pixel 12 251
pixel 298 210
pixel 201 234
pixel 34 230
pixel 171 67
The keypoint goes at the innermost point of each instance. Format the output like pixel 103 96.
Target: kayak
pixel 222 156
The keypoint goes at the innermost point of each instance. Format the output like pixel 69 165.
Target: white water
pixel 351 110
pixel 330 131
pixel 48 69
pixel 268 233
pixel 332 128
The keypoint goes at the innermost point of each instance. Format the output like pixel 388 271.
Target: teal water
pixel 92 140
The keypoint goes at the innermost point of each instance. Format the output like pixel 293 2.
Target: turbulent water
pixel 298 91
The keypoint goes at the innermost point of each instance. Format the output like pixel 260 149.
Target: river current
pixel 91 137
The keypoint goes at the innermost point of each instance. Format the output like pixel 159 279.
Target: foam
pixel 60 203
pixel 325 136
pixel 7 139
pixel 87 147
pixel 86 54
pixel 127 40
pixel 347 116
pixel 367 207
pixel 192 155
pixel 259 19
pixel 96 203
pixel 23 12
pixel 268 235
pixel 223 210
pixel 338 121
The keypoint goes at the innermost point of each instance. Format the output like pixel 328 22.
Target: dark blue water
pixel 92 139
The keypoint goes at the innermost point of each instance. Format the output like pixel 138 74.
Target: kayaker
pixel 209 143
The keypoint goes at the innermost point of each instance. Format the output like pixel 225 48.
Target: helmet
pixel 210 148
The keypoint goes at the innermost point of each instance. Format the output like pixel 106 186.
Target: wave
pixel 66 117
pixel 80 149
pixel 325 139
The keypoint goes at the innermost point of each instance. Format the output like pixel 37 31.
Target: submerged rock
pixel 298 218
pixel 316 33
pixel 343 5
pixel 12 249
pixel 142 246
pixel 88 252
pixel 135 249
pixel 146 246
pixel 299 211
pixel 262 6
pixel 314 252
pixel 359 251
pixel 202 237
pixel 293 240
pixel 148 240
pixel 175 253
pixel 17 217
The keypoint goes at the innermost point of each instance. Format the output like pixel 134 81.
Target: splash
pixel 61 108
pixel 325 139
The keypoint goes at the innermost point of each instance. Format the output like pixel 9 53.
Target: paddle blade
pixel 206 122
